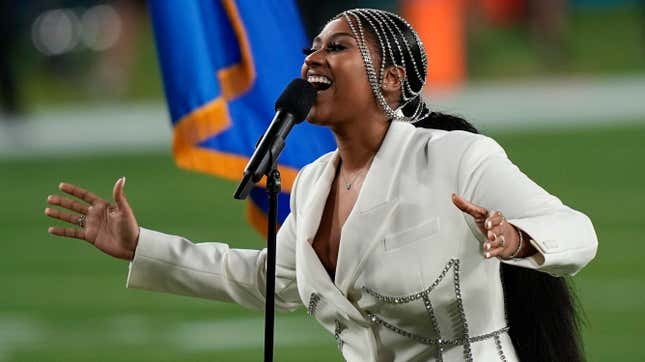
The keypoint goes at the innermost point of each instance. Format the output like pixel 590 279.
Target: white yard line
pixel 499 106
pixel 18 333
pixel 548 103
pixel 247 333
pixel 74 130
pixel 22 332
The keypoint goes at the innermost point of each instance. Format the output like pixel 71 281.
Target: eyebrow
pixel 335 35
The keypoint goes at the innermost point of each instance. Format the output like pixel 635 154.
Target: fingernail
pixel 50 229
pixel 123 182
pixel 60 185
pixel 488 255
pixel 487 246
pixel 49 198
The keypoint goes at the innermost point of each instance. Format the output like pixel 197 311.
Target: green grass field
pixel 61 300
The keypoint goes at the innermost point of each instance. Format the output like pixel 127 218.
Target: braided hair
pixel 398 45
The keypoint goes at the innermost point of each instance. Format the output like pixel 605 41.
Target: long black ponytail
pixel 542 310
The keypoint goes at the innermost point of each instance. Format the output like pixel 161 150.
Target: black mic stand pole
pixel 273 189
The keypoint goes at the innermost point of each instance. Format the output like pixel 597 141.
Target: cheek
pixel 352 78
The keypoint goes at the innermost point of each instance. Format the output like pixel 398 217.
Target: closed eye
pixel 335 48
pixel 308 51
pixel 331 48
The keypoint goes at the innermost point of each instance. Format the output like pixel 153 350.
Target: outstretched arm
pixel 564 238
pixel 172 264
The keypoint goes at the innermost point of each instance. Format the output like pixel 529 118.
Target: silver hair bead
pixel 386 20
pixel 382 24
pixel 382 44
pixel 381 16
pixel 374 18
pixel 407 93
pixel 421 77
pixel 422 48
pixel 369 66
pixel 375 85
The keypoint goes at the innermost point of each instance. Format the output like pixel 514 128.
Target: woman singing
pixel 406 243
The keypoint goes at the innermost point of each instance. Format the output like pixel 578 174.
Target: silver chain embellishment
pixel 435 341
pixel 435 327
pixel 340 327
pixel 313 303
pixel 500 351
pixel 369 66
pixel 465 340
pixel 384 27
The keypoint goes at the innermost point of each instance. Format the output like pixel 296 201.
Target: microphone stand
pixel 291 107
pixel 273 189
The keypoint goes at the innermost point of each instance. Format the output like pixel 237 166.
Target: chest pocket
pixel 411 235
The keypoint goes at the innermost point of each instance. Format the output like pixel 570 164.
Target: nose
pixel 315 58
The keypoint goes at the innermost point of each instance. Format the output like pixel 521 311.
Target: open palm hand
pixel 110 227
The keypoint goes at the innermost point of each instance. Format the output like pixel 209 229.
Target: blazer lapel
pixel 374 205
pixel 310 273
pixel 315 204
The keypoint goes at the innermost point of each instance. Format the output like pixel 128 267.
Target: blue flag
pixel 224 63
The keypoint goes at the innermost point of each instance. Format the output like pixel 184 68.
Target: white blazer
pixel 411 282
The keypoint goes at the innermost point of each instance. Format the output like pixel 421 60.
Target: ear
pixel 393 79
pixel 392 85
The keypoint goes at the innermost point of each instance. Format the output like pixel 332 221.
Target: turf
pixel 60 300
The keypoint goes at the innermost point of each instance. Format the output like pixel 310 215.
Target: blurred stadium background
pixel 560 84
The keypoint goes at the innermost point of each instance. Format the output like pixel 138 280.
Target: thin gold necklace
pixel 348 185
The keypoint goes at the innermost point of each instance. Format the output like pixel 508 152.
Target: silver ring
pixel 81 221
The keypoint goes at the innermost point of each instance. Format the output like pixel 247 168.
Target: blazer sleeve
pixel 565 238
pixel 172 264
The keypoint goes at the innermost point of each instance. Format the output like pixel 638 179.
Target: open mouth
pixel 320 82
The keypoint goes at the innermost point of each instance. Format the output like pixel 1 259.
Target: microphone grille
pixel 297 99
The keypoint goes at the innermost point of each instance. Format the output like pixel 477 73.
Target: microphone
pixel 292 107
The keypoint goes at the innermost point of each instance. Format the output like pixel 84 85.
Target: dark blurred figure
pixel 315 13
pixel 544 20
pixel 10 101
pixel 115 65
pixel 642 6
pixel 547 22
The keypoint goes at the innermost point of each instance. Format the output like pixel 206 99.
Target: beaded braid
pixel 382 43
pixel 420 109
pixel 385 28
pixel 406 85
pixel 369 66
pixel 408 47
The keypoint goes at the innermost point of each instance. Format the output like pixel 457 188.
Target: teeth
pixel 318 79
